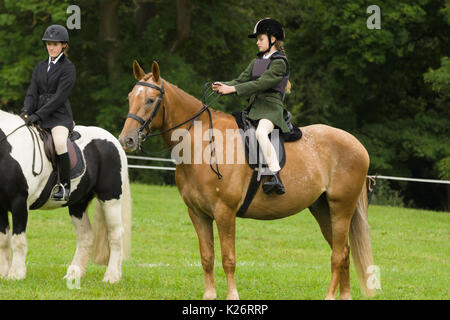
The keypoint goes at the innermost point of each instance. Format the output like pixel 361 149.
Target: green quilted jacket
pixel 265 104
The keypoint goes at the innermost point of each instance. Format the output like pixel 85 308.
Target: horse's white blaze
pixel 19 246
pixel 138 91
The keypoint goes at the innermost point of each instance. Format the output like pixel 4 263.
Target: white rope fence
pixel 411 179
pixel 132 166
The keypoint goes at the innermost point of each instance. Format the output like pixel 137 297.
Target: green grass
pixel 281 259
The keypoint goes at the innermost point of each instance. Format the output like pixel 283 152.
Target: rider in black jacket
pixel 47 100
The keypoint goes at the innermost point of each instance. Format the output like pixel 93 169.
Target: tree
pixel 370 82
pixel 388 87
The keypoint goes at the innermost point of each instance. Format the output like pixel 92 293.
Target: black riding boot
pixel 64 175
pixel 273 184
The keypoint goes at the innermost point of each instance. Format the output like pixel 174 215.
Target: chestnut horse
pixel 325 171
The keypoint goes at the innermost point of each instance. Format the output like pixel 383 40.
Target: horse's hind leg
pixel 321 212
pixel 204 228
pixel 341 213
pixel 85 239
pixel 19 240
pixel 5 243
pixel 113 218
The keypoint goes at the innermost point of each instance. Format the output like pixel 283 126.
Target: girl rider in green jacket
pixel 265 80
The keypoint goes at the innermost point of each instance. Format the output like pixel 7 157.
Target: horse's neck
pixel 180 107
pixel 9 120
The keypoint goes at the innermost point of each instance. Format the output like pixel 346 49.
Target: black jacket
pixel 48 93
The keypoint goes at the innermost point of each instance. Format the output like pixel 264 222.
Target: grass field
pixel 281 259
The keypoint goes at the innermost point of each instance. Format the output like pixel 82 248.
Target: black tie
pixel 52 64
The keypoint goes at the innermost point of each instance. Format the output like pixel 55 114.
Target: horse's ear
pixel 155 71
pixel 138 71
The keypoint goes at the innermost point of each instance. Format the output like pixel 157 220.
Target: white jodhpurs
pixel 60 134
pixel 265 127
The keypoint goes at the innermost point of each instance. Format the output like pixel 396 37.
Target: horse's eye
pixel 150 101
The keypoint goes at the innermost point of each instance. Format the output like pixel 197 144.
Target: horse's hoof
pixel 4 272
pixel 210 296
pixel 111 277
pixel 233 296
pixel 73 272
pixel 16 274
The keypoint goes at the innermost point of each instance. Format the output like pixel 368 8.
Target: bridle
pixel 145 123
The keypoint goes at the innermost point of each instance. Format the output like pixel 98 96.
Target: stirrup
pixel 53 192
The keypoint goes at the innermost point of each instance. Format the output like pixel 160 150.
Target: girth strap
pixel 252 189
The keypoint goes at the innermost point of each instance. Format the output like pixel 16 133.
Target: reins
pixel 35 140
pixel 205 107
pixel 5 137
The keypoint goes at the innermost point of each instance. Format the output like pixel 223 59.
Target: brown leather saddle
pixel 49 148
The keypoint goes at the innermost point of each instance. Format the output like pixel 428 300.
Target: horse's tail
pixel 126 215
pixel 360 246
pixel 101 248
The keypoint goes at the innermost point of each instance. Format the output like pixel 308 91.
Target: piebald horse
pixel 325 171
pixel 22 181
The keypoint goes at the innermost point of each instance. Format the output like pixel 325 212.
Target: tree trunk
pixel 109 33
pixel 145 10
pixel 184 12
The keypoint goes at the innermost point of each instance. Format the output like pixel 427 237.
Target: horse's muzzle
pixel 129 142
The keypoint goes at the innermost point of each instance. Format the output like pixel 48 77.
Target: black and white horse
pixel 105 177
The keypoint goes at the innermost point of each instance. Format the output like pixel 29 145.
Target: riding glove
pixel 30 119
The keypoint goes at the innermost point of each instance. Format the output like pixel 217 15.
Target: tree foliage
pixel 390 87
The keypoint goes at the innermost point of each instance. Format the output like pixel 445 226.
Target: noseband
pixel 145 123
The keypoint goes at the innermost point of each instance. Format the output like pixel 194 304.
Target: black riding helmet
pixel 268 26
pixel 56 33
pixel 271 27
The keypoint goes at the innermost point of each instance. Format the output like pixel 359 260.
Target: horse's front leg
pixel 5 243
pixel 19 245
pixel 113 218
pixel 85 239
pixel 226 225
pixel 204 228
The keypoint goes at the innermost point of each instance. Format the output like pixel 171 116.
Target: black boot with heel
pixel 64 174
pixel 273 184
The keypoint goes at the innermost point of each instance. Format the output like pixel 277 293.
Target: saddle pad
pixel 76 172
pixel 79 166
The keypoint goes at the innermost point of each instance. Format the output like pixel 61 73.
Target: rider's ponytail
pixel 279 46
